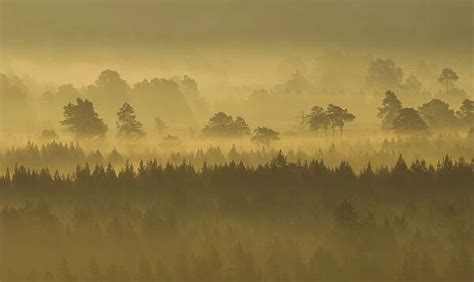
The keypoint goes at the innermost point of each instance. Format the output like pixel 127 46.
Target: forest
pixel 281 221
pixel 236 141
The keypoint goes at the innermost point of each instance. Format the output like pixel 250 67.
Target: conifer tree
pixel 127 124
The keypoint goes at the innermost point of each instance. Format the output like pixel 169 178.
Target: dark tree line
pixel 282 221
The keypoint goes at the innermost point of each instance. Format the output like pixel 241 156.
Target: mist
pixel 231 140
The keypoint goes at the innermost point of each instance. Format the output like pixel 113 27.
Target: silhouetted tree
pixel 223 125
pixel 437 114
pixel 447 77
pixel 265 135
pixel 14 108
pixel 48 134
pixel 160 125
pixel 338 117
pixel 82 120
pixel 66 93
pixel 127 124
pixel 389 110
pixel 171 141
pixel 384 74
pixel 241 126
pixel 408 121
pixel 466 112
pixel 110 87
pixel 319 119
pixel 412 84
pixel 189 86
pixel 297 84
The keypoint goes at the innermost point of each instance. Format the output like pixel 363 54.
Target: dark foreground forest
pixel 282 221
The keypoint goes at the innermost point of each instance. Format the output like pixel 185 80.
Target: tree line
pixel 281 221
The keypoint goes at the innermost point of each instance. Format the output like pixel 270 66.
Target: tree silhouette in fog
pixel 14 108
pixel 408 121
pixel 264 135
pixel 384 74
pixel 189 86
pixel 111 85
pixel 448 77
pixel 319 119
pixel 82 120
pixel 389 110
pixel 437 114
pixel 466 112
pixel 127 124
pixel 338 117
pixel 223 125
pixel 160 125
pixel 67 93
pixel 412 85
pixel 48 135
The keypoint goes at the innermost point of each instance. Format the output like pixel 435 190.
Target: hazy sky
pixel 214 37
pixel 415 24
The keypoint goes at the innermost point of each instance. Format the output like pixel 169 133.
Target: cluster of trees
pixel 176 98
pixel 83 121
pixel 223 125
pixel 385 74
pixel 435 114
pixel 333 117
pixel 281 221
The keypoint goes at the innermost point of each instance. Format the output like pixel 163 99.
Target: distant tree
pixel 447 77
pixel 338 117
pixel 82 120
pixel 171 141
pixel 168 98
pixel 384 74
pixel 160 125
pixel 127 124
pixel 109 92
pixel 437 114
pixel 48 134
pixel 110 82
pixel 408 121
pixel 265 135
pixel 241 126
pixel 189 86
pixel 223 125
pixel 389 110
pixel 466 112
pixel 319 119
pixel 14 109
pixel 297 84
pixel 67 93
pixel 412 84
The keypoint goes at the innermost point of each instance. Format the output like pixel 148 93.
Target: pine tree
pixel 127 125
pixel 160 125
pixel 82 120
pixel 389 110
